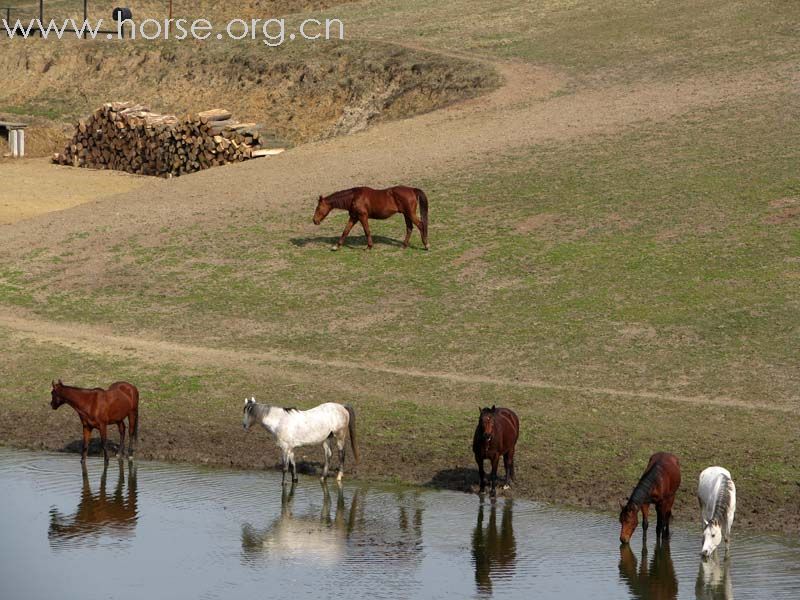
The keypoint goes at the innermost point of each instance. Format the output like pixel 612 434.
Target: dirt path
pixel 528 109
pixel 99 341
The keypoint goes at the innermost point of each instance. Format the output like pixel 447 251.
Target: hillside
pixel 615 254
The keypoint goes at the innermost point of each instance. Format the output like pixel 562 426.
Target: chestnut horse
pixel 364 203
pixel 495 436
pixel 97 408
pixel 658 485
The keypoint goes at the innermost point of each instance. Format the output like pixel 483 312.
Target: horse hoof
pixel 506 487
pixel 427 247
pixel 334 248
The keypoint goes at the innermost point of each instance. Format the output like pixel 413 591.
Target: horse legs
pixel 645 523
pixel 104 441
pixel 326 447
pixel 345 233
pixel 87 434
pixel 508 464
pixel 667 515
pixel 341 444
pixel 365 224
pixel 294 466
pixel 409 230
pixel 661 522
pixel 481 474
pixel 423 232
pixel 121 451
pixel 284 465
pixel 495 463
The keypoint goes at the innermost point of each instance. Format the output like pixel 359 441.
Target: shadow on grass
pixel 351 242
pixel 460 480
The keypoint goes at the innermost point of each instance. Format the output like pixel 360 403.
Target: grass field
pixel 626 292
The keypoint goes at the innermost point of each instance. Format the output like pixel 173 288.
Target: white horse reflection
pixel 315 538
pixel 714 579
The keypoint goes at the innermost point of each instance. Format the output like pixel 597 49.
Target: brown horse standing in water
pixel 364 203
pixel 495 436
pixel 658 485
pixel 97 408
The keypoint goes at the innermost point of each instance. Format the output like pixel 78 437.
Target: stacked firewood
pixel 128 137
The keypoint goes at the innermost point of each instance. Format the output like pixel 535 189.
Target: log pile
pixel 128 137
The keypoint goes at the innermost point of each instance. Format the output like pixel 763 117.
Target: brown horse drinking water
pixel 495 436
pixel 658 484
pixel 364 203
pixel 97 408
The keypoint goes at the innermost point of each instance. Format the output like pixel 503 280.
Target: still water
pixel 168 531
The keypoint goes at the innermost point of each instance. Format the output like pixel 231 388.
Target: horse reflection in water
pixel 98 514
pixel 313 537
pixel 656 581
pixel 493 552
pixel 714 579
pixel 391 534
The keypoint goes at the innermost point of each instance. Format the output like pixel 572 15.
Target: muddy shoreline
pixel 256 451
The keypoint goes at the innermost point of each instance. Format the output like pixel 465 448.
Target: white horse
pixel 717 496
pixel 292 428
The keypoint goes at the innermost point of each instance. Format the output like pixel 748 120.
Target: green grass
pixel 646 260
pixel 616 40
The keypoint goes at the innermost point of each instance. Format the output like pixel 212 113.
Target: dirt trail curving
pixel 100 341
pixel 533 106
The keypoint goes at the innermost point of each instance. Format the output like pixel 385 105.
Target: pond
pixel 172 531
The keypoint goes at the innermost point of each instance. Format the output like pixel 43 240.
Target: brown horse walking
pixel 658 485
pixel 364 203
pixel 97 408
pixel 495 436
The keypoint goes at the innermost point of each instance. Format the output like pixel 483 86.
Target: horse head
pixel 629 519
pixel 712 537
pixel 487 423
pixel 323 208
pixel 247 413
pixel 56 399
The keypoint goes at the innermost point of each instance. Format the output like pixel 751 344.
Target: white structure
pixel 15 134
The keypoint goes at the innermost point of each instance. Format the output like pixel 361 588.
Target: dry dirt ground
pixel 527 109
pixel 32 187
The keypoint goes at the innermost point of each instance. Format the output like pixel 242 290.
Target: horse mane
pixel 80 389
pixel 291 409
pixel 641 492
pixel 341 199
pixel 723 500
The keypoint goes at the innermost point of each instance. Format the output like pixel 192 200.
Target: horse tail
pixel 423 208
pixel 351 427
pixel 135 432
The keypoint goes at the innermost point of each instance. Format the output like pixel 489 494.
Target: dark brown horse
pixel 658 484
pixel 364 203
pixel 495 436
pixel 97 408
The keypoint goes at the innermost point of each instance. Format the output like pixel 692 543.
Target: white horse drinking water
pixel 717 496
pixel 292 428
